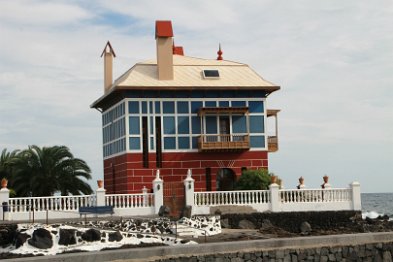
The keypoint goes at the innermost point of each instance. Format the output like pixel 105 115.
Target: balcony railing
pixel 272 143
pixel 223 142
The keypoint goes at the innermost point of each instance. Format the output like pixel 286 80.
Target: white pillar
pixel 100 197
pixel 274 197
pixel 158 192
pixel 189 189
pixel 356 198
pixel 4 197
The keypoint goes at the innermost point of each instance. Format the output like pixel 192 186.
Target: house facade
pixel 175 113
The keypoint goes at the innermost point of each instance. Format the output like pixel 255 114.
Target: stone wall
pixel 365 252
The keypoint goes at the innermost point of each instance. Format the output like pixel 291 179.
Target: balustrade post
pixel 158 192
pixel 189 190
pixel 144 192
pixel 100 196
pixel 4 198
pixel 356 198
pixel 274 197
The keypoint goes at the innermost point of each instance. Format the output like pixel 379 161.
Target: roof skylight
pixel 211 74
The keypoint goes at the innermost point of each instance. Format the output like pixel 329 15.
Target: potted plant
pixel 100 183
pixel 4 182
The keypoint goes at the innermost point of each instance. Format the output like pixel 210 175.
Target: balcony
pixel 223 143
pixel 272 143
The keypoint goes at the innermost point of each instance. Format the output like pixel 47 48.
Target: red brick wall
pixel 130 176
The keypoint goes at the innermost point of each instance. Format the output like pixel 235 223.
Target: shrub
pixel 254 180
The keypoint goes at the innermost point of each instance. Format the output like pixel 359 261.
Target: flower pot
pixel 301 180
pixel 4 183
pixel 273 179
pixel 100 183
pixel 326 179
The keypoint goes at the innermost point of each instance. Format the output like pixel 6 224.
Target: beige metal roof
pixel 188 73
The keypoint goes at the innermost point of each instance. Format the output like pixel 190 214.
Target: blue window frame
pixel 257 124
pixel 134 127
pixel 183 142
pixel 169 143
pixel 211 125
pixel 255 106
pixel 183 126
pixel 196 124
pixel 239 124
pixel 182 107
pixel 169 125
pixel 238 103
pixel 257 141
pixel 134 143
pixel 133 107
pixel 195 105
pixel 168 107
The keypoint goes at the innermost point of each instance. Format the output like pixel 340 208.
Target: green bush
pixel 254 180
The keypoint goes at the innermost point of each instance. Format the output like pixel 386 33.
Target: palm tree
pixel 7 160
pixel 44 171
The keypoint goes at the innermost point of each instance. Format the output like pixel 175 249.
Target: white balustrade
pixel 220 198
pixel 130 200
pixel 54 203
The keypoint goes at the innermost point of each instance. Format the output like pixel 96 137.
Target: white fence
pixel 272 200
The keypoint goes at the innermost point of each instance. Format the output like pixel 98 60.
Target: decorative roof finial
pixel 219 53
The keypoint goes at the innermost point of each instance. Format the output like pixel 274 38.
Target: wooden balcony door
pixel 224 128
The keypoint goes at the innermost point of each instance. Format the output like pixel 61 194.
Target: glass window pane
pixel 255 106
pixel 239 124
pixel 224 103
pixel 210 104
pixel 257 141
pixel 184 142
pixel 152 143
pixel 134 125
pixel 144 107
pixel 133 107
pixel 196 124
pixel 195 105
pixel 238 103
pixel 169 125
pixel 168 107
pixel 195 142
pixel 169 143
pixel 158 107
pixel 134 143
pixel 183 126
pixel 211 125
pixel 256 124
pixel 182 107
pixel 151 126
pixel 150 107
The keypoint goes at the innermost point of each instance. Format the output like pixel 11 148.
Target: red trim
pixel 164 29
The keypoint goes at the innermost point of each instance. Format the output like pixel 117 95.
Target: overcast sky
pixel 332 59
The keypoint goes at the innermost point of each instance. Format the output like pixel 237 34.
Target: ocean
pixel 376 204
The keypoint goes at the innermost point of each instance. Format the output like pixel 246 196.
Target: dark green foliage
pixel 254 180
pixel 43 171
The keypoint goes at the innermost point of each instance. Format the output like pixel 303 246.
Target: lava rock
pixel 225 223
pixel 91 235
pixel 164 211
pixel 20 239
pixel 115 236
pixel 186 212
pixel 305 228
pixel 246 224
pixel 7 234
pixel 41 239
pixel 67 237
